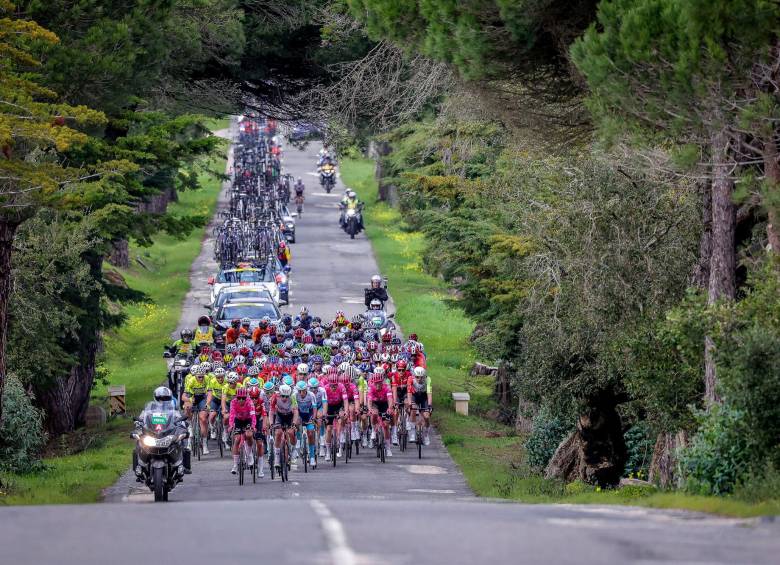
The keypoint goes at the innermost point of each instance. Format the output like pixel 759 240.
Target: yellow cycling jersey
pixel 216 387
pixel 207 336
pixel 193 386
pixel 229 392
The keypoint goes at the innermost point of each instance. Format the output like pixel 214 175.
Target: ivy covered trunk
pixel 66 398
pixel 722 283
pixel 7 231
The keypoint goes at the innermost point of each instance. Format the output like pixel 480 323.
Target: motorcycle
pixel 159 459
pixel 178 370
pixel 328 177
pixel 353 221
pixel 380 321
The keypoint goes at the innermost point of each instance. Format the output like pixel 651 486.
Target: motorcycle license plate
pixel 159 419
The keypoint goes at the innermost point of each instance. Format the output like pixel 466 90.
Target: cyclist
pixel 284 414
pixel 380 399
pixel 195 389
pixel 419 385
pixel 214 400
pixel 242 420
pixel 302 372
pixel 319 392
pixel 204 332
pixel 399 379
pixel 335 399
pixel 307 411
pixel 256 397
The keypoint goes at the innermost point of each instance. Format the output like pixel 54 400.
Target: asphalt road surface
pixel 407 510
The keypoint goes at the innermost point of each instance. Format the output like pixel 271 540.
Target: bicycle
pixel 219 428
pixel 197 445
pixel 304 452
pixel 420 428
pixel 403 434
pixel 381 451
pixel 284 454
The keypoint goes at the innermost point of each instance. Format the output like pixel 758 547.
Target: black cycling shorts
pixel 421 400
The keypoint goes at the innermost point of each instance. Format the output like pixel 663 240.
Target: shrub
pixel 21 435
pixel 720 453
pixel 760 485
pixel 639 444
pixel 547 434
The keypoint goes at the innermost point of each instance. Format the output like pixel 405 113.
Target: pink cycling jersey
pixel 336 396
pixel 381 395
pixel 352 391
pixel 242 411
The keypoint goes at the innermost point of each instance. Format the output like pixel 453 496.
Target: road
pixel 408 510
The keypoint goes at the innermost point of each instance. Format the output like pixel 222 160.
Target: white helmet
pixel 219 372
pixel 420 372
pixel 232 377
pixel 205 367
pixel 285 390
pixel 303 369
pixel 344 367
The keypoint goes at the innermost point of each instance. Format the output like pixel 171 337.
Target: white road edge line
pixel 340 552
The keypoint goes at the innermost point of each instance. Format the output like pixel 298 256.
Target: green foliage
pixel 639 444
pixel 21 436
pixel 720 453
pixel 547 434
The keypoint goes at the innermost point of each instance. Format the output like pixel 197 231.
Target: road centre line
pixel 335 536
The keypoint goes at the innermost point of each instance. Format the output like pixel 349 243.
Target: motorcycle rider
pixel 182 345
pixel 205 332
pixel 163 402
pixel 350 202
pixel 376 292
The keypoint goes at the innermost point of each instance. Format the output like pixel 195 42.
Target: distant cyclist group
pixel 287 391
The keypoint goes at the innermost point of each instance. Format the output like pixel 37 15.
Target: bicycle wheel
pixel 419 441
pixel 271 459
pixel 220 426
pixel 241 463
pixel 196 441
pixel 380 438
pixel 283 462
pixel 305 450
pixel 254 458
pixel 334 441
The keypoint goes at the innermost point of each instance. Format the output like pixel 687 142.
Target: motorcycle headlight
pixel 350 212
pixel 149 441
pixel 181 362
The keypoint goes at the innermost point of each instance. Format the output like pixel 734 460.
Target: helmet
pixel 163 394
pixel 304 310
pixel 263 323
pixel 314 382
pixel 288 380
pixel 186 335
pixel 375 379
pixel 307 339
pixel 231 348
pixel 204 321
pixel 301 385
pixel 379 371
pixel 239 359
pixel 420 372
pixel 298 333
pixel 268 387
pixel 303 369
pixel 344 367
pixel 244 351
pixel 219 372
pixel 245 321
pixel 376 280
pixel 232 377
pixel 254 392
pixel 285 390
pixel 257 361
pixel 401 365
pixel 240 369
pixel 351 194
pixel 241 393
pixel 387 337
pixel 254 370
pixel 205 367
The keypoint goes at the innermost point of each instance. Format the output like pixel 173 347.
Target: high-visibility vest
pixel 208 336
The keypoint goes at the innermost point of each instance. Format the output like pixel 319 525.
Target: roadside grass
pixel 132 357
pixel 490 455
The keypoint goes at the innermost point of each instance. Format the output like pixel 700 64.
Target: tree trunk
pixel 701 271
pixel 772 174
pixel 596 451
pixel 663 467
pixel 120 255
pixel 7 232
pixel 722 284
pixel 66 400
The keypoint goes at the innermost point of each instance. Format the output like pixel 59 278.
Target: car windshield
pixel 244 276
pixel 251 311
pixel 244 294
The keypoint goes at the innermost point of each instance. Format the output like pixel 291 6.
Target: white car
pixel 257 277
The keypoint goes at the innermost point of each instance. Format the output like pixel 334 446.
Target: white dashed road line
pixel 340 552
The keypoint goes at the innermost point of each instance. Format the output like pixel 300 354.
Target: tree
pixel 672 71
pixel 34 131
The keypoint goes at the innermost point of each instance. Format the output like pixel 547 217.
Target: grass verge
pixel 489 454
pixel 133 357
